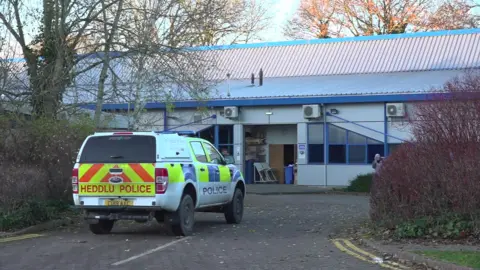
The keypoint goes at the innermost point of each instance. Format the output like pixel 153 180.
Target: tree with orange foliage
pixel 314 19
pixel 379 17
pixel 454 14
pixel 336 18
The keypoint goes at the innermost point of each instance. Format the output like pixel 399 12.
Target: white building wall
pixel 341 175
pixel 281 134
pixel 286 125
pixel 310 175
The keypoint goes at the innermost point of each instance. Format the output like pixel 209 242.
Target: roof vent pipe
pixel 260 75
pixel 228 82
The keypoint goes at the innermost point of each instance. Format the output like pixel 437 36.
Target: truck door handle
pixel 202 169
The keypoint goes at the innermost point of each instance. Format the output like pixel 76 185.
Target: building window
pixel 347 147
pixel 357 145
pixel 207 134
pixel 374 147
pixel 225 139
pixel 225 135
pixel 315 143
pixel 337 144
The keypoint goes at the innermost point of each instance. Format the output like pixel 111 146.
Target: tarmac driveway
pixel 278 232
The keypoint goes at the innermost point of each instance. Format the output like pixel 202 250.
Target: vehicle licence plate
pixel 118 202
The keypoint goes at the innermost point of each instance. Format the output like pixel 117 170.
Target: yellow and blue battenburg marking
pixel 189 172
pixel 237 175
pixel 203 175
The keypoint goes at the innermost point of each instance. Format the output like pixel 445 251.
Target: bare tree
pixel 109 37
pixel 50 57
pixel 139 63
pixel 160 69
pixel 213 22
pixel 132 49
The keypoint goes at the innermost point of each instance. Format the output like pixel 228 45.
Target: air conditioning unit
pixel 230 112
pixel 312 111
pixel 396 110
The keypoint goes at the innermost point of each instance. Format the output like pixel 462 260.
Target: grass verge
pixel 463 258
pixel 361 183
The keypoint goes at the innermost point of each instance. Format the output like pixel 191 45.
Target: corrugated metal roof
pixel 361 65
pixel 332 85
pixel 459 50
pixel 312 86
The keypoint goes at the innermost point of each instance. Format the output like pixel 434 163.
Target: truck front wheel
pixel 181 222
pixel 234 210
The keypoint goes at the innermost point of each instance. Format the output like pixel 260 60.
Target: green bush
pixel 450 226
pixel 361 183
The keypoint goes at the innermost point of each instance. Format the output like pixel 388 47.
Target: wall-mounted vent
pixel 312 111
pixel 396 110
pixel 230 112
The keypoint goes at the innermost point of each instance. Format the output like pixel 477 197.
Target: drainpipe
pixel 385 130
pixel 165 121
pixel 325 143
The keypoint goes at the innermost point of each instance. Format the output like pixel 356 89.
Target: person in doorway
pixel 377 163
pixel 228 158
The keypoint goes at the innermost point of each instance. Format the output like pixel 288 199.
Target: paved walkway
pixel 271 189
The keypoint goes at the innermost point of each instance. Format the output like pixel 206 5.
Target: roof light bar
pixel 181 133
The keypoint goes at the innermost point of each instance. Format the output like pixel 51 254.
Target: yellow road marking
pixel 20 237
pixel 364 255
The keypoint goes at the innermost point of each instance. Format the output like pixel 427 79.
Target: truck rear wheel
pixel 102 227
pixel 181 222
pixel 160 216
pixel 234 210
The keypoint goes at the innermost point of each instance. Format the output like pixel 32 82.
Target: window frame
pixel 323 144
pixel 85 150
pixel 230 138
pixel 347 145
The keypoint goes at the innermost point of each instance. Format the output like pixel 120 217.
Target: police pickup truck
pixel 144 175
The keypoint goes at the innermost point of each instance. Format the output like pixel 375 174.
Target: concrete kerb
pixel 308 193
pixel 46 226
pixel 412 257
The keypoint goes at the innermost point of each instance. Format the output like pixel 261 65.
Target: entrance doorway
pixel 280 156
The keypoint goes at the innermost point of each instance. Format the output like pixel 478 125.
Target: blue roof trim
pixel 280 101
pixel 306 42
pixel 336 40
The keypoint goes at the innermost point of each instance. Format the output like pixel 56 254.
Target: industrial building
pixel 327 105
